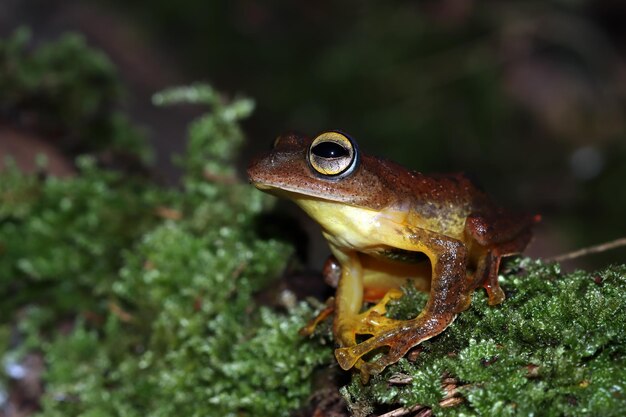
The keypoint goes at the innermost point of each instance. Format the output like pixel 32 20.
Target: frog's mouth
pixel 263 187
pixel 284 191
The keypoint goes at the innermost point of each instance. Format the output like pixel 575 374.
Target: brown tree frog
pixel 386 225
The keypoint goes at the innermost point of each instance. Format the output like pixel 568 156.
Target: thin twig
pixel 451 402
pixel 427 412
pixel 400 379
pixel 168 213
pixel 219 178
pixel 589 250
pixel 120 313
pixel 402 411
pixel 450 399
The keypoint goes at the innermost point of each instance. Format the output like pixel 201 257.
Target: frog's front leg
pixel 368 322
pixel 449 294
pixel 348 298
pixel 349 321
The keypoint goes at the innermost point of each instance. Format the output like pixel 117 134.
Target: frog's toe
pixel 369 323
pixel 351 356
pixel 369 369
pixel 346 358
pixel 495 293
pixel 373 323
pixel 381 306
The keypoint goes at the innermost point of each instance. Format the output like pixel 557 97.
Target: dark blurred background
pixel 528 97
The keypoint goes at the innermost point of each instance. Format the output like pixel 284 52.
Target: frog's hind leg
pixel 510 232
pixel 488 264
pixel 487 276
pixel 320 317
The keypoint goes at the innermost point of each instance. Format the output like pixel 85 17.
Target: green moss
pixel 556 346
pixel 211 158
pixel 141 298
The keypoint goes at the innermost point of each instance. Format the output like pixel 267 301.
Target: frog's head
pixel 327 167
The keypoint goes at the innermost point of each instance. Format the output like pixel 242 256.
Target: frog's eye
pixel 333 154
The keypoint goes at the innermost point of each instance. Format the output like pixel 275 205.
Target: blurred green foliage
pixel 69 92
pixel 210 157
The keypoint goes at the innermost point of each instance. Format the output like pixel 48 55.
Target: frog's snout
pixel 253 170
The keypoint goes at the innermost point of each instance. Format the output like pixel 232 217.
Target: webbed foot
pixel 396 342
pixel 370 322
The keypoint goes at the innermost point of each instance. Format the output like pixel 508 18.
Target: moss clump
pixel 142 299
pixel 556 346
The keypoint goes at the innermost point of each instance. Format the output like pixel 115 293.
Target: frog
pixel 388 227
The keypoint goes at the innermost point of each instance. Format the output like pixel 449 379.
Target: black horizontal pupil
pixel 329 150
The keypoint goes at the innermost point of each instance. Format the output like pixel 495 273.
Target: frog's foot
pixel 321 316
pixel 370 322
pixel 396 341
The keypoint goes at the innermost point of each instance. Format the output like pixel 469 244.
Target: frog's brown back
pixel 454 202
pixel 432 194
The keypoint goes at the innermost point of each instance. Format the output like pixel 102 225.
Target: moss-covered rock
pixel 556 346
